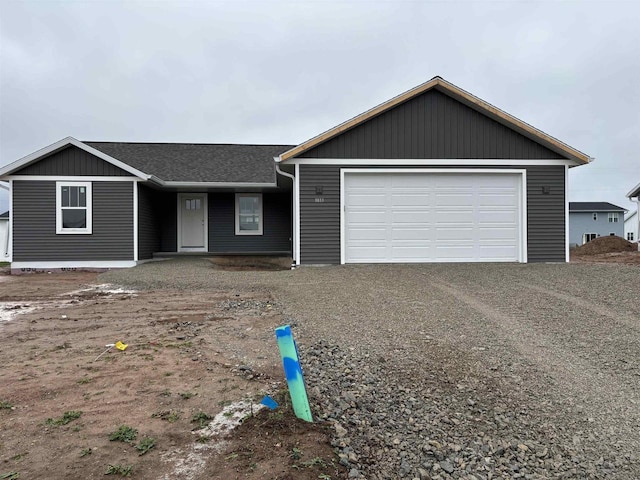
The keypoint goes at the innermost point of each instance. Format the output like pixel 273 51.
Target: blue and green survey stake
pixel 293 372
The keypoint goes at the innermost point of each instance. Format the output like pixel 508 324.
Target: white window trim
pixel 614 217
pixel 89 209
pixel 630 234
pixel 260 213
pixel 595 216
pixel 584 237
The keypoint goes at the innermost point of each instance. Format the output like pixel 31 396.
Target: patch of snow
pixel 8 310
pixel 188 463
pixel 106 288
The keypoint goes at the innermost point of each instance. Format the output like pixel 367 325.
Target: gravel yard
pixel 459 371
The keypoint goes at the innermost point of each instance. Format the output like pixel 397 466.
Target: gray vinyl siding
pixel 166 206
pixel 276 237
pixel 546 225
pixel 148 223
pixel 320 222
pixel 72 161
pixel 431 125
pixel 34 224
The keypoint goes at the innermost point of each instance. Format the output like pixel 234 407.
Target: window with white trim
pixel 248 214
pixel 73 208
pixel 595 215
pixel 613 217
pixel 630 236
pixel 587 237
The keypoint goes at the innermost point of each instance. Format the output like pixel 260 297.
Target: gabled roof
pixel 474 102
pixel 176 164
pixel 594 207
pixel 4 214
pixel 635 192
pixel 62 144
pixel 631 215
pixel 198 162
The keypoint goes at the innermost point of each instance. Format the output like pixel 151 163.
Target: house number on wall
pixel 319 199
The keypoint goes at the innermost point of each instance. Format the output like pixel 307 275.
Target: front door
pixel 192 222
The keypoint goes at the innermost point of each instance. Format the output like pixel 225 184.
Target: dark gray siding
pixel 166 207
pixel 546 214
pixel 72 161
pixel 276 237
pixel 320 222
pixel 148 223
pixel 34 224
pixel 431 125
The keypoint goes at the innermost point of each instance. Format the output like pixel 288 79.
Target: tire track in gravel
pixel 618 414
pixel 625 318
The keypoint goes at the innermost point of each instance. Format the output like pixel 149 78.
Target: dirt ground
pixel 190 355
pixel 624 258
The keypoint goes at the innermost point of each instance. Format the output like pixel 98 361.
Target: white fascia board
pixel 74 178
pixel 431 162
pixel 218 184
pixel 634 192
pixel 4 186
pixel 6 170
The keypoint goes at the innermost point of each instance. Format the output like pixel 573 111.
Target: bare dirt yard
pixel 192 354
pixel 437 371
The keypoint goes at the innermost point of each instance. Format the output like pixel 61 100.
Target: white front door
pixel 192 222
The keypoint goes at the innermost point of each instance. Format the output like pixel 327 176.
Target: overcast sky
pixel 282 72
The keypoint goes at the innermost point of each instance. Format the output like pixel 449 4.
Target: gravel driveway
pixel 472 371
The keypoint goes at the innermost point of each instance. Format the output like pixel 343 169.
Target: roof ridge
pixel 195 143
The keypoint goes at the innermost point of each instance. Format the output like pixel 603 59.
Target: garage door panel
pixel 418 233
pixel 414 217
pixel 432 217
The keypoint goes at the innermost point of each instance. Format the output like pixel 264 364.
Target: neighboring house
pixel 590 220
pixel 432 175
pixel 631 227
pixel 4 236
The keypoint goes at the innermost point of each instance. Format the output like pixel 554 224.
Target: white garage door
pixel 432 217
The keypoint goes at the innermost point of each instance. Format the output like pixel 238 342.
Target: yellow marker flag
pixel 121 346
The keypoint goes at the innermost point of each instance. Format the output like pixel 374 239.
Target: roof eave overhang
pixel 61 144
pixel 635 192
pixel 471 100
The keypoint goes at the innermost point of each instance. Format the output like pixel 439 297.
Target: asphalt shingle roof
pixel 594 207
pixel 198 162
pixel 4 214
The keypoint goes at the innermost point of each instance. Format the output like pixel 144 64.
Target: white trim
pixel 522 247
pixel 430 162
pixel 205 205
pixel 566 215
pixel 88 230
pixel 634 192
pixel 296 216
pixel 9 251
pixel 293 212
pixel 218 184
pixel 135 221
pixel 75 264
pixel 24 161
pixel 78 178
pixel 260 230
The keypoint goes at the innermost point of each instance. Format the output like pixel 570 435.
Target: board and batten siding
pixel 148 223
pixel 431 125
pixel 72 161
pixel 276 236
pixel 320 221
pixel 34 224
